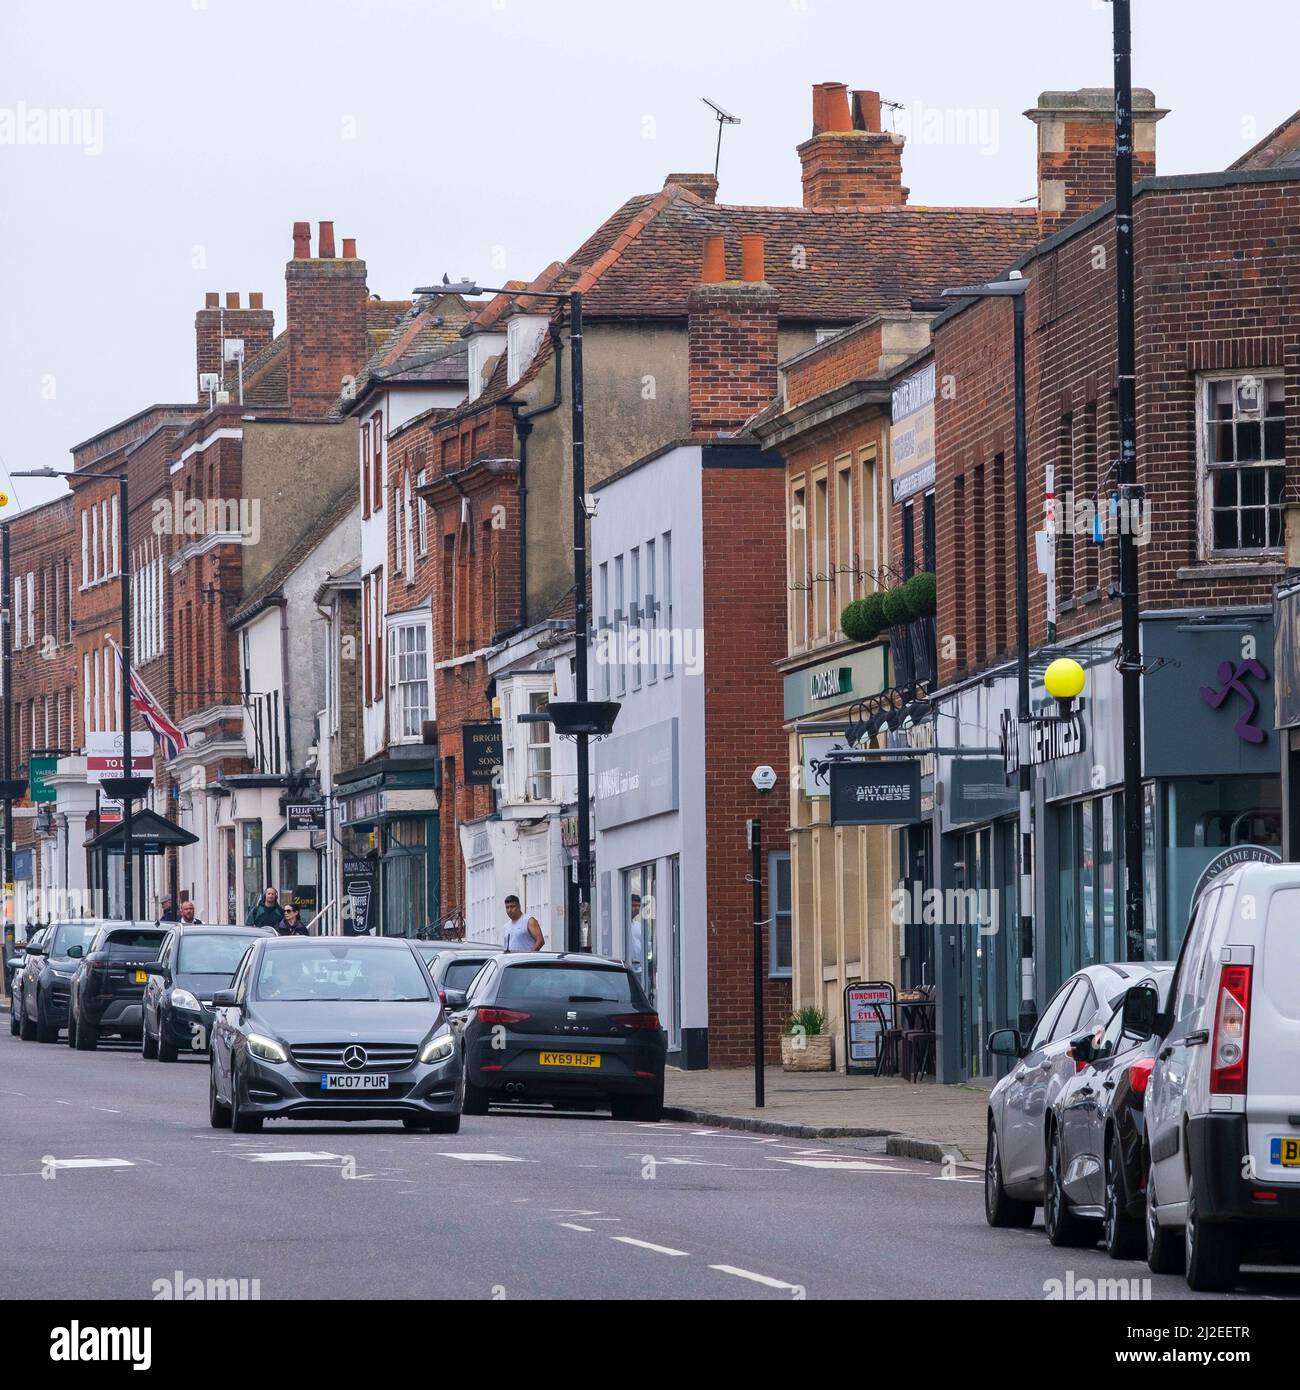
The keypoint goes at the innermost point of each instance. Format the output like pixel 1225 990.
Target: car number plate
pixel 142 977
pixel 354 1081
pixel 570 1059
pixel 1284 1153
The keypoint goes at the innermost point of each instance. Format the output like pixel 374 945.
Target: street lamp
pixel 581 716
pixel 127 786
pixel 1014 288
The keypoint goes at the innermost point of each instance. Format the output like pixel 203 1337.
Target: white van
pixel 1223 1104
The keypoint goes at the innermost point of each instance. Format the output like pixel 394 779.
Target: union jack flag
pixel 165 733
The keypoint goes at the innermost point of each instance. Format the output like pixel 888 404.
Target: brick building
pixel 1217 357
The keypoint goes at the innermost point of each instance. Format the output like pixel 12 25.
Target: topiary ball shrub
pixel 921 594
pixel 853 622
pixel 897 610
pixel 873 611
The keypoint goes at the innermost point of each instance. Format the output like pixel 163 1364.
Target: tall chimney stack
pixel 215 322
pixel 850 161
pixel 325 312
pixel 1076 150
pixel 732 340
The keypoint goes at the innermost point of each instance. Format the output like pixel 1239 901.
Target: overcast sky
pixel 488 138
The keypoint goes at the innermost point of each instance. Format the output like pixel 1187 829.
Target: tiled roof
pixel 335 514
pixel 266 376
pixel 422 346
pixel 1279 149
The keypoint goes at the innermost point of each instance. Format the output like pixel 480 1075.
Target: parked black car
pixel 333 1028
pixel 194 963
pixel 453 964
pixel 1095 1179
pixel 561 1028
pixel 16 1014
pixel 47 977
pixel 109 984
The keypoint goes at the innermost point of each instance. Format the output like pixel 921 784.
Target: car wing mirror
pixel 76 952
pixel 1082 1049
pixel 1006 1042
pixel 1141 1012
pixel 454 999
pixel 224 999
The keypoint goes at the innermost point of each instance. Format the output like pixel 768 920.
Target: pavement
pixel 123 1191
pixel 925 1121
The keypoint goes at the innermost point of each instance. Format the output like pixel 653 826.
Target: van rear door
pixel 1272 1076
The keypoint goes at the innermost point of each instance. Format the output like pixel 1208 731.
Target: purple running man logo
pixel 1232 682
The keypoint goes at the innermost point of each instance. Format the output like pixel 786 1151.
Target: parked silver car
pixel 1020 1103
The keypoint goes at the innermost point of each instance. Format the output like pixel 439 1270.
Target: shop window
pixel 780 954
pixel 1243 464
pixel 640 947
pixel 250 832
pixel 538 749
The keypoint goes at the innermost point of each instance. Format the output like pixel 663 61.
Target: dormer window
pixel 483 347
pixel 525 334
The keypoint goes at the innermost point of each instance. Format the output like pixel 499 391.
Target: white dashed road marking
pixel 89 1163
pixel 756 1278
pixel 571 1226
pixel 851 1165
pixel 487 1158
pixel 658 1249
pixel 281 1156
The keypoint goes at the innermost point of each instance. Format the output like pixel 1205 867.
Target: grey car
pixel 47 975
pixel 333 1028
pixel 1021 1103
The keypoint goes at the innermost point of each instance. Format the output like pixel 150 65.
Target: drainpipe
pixel 523 428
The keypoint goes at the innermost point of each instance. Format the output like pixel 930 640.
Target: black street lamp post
pixel 581 718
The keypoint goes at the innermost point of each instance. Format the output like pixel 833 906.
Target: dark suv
pixel 47 978
pixel 108 987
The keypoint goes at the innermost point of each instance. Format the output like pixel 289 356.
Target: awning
pixel 150 834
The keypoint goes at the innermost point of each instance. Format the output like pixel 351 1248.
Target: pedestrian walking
pixel 168 913
pixel 268 912
pixel 292 925
pixel 187 917
pixel 521 934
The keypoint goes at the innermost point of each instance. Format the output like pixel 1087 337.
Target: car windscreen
pixel 70 934
pixel 126 944
pixel 340 973
pixel 461 972
pixel 201 954
pixel 565 984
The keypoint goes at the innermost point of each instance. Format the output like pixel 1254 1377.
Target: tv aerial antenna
pixel 724 118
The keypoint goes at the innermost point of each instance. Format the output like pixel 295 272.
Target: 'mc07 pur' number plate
pixel 570 1059
pixel 1285 1153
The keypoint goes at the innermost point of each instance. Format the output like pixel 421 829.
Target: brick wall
pixel 745 626
pixel 325 317
pixel 852 356
pixel 1217 279
pixel 215 321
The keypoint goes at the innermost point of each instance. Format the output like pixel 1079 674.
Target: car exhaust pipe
pixel 514 1088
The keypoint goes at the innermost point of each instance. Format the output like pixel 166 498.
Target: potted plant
pixel 805 1043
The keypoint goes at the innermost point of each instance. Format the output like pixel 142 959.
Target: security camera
pixel 589 505
pixel 764 779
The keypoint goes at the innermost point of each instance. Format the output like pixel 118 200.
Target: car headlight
pixel 440 1048
pixel 266 1049
pixel 183 999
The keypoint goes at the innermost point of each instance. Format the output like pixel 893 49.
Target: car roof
pixel 217 929
pixel 451 947
pixel 554 958
pixel 366 943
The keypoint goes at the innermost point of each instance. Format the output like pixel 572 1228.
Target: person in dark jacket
pixel 293 925
pixel 268 912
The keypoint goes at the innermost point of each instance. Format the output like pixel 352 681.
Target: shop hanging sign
pixel 481 752
pixel 886 793
pixel 40 770
pixel 306 815
pixel 104 756
pixel 358 884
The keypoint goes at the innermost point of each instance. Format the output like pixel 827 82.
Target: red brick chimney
pixel 850 161
pixel 733 340
pixel 1076 150
pixel 325 315
pixel 215 322
pixel 702 185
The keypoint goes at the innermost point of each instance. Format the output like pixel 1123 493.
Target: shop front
pixel 836 883
pixel 1210 781
pixel 387 814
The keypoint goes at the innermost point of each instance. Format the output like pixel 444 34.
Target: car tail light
pixel 640 1022
pixel 442 994
pixel 501 1016
pixel 1231 1032
pixel 1139 1074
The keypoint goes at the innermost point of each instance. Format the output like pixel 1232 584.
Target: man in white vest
pixel 521 934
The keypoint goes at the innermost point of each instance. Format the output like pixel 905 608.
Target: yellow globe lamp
pixel 1064 681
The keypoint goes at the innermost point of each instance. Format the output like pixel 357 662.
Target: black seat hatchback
pixel 563 1029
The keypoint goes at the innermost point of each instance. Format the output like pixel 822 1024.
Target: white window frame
pixel 1206 471
pixel 422 512
pixel 402 650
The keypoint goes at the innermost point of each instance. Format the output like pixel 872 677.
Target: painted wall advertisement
pixel 911 435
